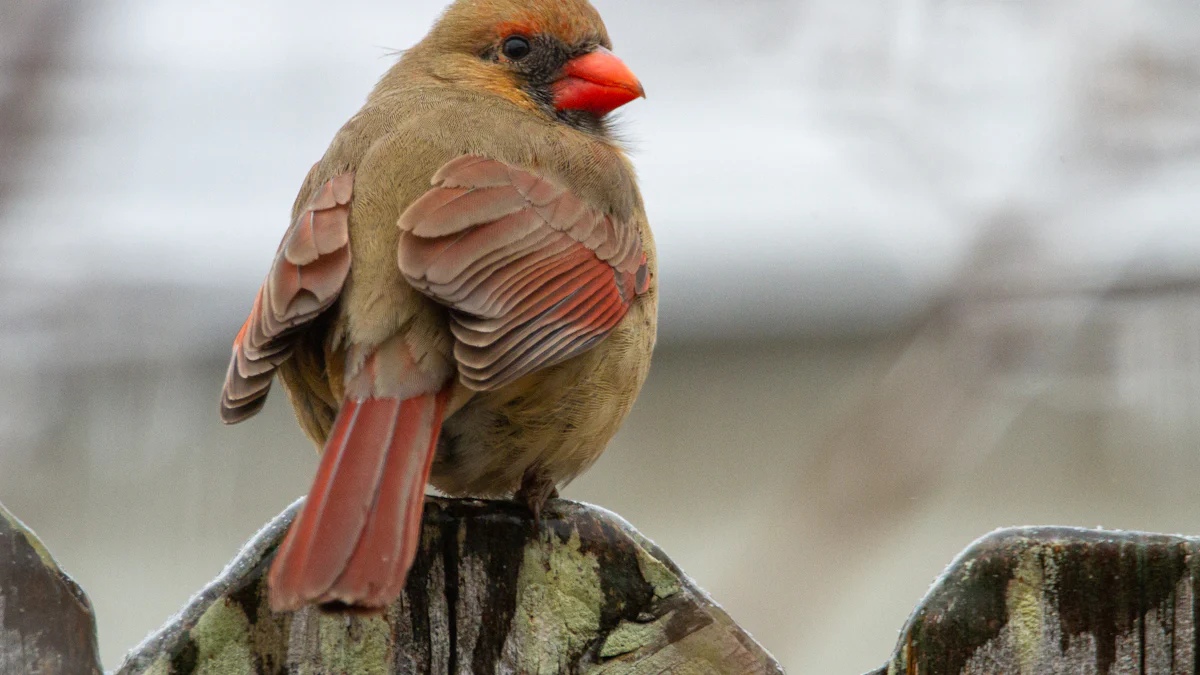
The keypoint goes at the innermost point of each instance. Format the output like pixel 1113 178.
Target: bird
pixel 466 296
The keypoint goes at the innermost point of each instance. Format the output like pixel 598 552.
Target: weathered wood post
pixel 46 621
pixel 1057 600
pixel 588 594
pixel 488 594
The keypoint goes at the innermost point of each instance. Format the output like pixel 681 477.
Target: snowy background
pixel 929 267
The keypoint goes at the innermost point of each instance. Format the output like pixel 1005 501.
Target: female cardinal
pixel 466 295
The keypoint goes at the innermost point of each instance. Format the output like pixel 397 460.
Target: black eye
pixel 516 48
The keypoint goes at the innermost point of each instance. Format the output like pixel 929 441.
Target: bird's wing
pixel 305 280
pixel 532 274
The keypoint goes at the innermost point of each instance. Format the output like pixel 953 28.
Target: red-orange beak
pixel 597 82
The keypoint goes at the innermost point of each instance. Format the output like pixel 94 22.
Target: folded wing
pixel 532 274
pixel 305 280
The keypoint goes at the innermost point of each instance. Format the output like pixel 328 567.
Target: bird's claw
pixel 536 490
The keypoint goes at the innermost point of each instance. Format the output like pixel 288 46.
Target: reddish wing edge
pixel 310 267
pixel 534 275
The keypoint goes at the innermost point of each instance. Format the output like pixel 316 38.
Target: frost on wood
pixel 1059 600
pixel 584 594
pixel 46 621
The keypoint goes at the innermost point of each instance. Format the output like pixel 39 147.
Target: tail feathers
pixel 358 532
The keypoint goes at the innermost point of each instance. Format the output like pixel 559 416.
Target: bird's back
pixel 560 418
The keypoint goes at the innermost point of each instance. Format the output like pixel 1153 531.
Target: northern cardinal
pixel 466 295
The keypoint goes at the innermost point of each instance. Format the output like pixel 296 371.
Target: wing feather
pixel 306 279
pixel 532 273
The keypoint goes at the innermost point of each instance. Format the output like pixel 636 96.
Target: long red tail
pixel 358 532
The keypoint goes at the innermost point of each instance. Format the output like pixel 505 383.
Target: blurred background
pixel 928 268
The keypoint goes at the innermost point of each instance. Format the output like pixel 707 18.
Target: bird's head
pixel 549 56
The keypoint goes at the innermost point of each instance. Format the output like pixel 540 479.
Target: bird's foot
pixel 536 490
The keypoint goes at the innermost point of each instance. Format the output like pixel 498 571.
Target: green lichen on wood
pixel 1026 608
pixel 353 644
pixel 585 594
pixel 664 582
pixel 629 637
pixel 1057 600
pixel 222 638
pixel 267 632
pixel 559 601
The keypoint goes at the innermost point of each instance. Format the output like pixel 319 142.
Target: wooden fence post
pixel 1059 600
pixel 46 621
pixel 586 593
